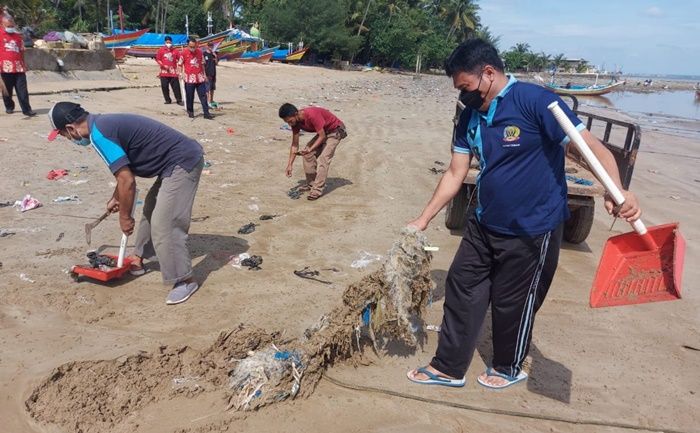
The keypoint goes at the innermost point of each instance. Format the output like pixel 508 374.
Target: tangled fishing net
pixel 250 367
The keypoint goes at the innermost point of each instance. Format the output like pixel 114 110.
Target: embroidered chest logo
pixel 168 57
pixel 12 46
pixel 511 133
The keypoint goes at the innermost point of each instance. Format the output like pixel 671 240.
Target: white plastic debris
pixel 26 278
pixel 236 260
pixel 365 259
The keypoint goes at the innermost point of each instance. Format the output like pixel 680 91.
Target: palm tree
pixel 362 27
pixel 558 61
pixel 521 48
pixel 462 16
pixel 484 33
pixel 79 5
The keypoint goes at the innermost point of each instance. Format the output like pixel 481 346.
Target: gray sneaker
pixel 181 292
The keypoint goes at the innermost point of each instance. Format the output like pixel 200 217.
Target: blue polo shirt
pixel 521 189
pixel 148 147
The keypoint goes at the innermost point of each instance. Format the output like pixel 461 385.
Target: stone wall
pixel 73 59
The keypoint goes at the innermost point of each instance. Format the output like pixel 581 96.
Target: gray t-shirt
pixel 148 147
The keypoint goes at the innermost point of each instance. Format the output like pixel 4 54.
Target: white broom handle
pixel 592 161
pixel 125 238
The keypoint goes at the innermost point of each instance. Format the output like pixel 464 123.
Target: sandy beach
pixel 592 369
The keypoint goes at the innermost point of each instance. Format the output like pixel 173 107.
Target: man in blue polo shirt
pixel 509 252
pixel 133 146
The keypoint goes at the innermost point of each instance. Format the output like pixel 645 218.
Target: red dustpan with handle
pixel 637 267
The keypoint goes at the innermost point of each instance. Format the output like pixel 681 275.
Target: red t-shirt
pixel 168 58
pixel 193 64
pixel 317 119
pixel 11 53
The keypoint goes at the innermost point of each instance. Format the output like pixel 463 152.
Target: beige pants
pixel 162 233
pixel 317 163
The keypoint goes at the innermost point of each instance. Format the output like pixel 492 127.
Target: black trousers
pixel 16 82
pixel 174 83
pixel 513 274
pixel 201 89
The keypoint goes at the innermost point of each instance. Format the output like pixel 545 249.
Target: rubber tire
pixel 457 209
pixel 578 226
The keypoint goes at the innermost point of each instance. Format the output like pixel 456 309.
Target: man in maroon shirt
pixel 168 57
pixel 319 151
pixel 12 66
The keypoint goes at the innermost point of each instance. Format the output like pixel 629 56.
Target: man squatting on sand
pixel 319 151
pixel 510 249
pixel 131 146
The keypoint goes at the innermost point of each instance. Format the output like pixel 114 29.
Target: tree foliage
pixel 519 58
pixel 384 32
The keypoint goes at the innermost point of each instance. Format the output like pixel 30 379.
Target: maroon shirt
pixel 317 119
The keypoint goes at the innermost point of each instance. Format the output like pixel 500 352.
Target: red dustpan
pixel 105 273
pixel 638 267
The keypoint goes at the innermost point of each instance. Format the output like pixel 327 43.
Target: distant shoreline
pixel 632 83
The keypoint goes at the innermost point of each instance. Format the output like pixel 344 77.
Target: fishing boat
pixel 296 55
pixel 232 54
pixel 260 56
pixel 149 44
pixel 119 52
pixel 288 55
pixel 575 90
pixel 123 38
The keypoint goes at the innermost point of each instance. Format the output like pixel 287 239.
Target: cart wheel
pixel 459 208
pixel 75 277
pixel 578 226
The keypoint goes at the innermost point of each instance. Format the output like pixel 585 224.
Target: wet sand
pixel 630 365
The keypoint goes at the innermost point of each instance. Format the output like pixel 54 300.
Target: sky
pixel 657 37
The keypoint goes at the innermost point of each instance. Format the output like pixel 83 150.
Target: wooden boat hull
pixel 232 55
pixel 586 91
pixel 296 55
pixel 123 38
pixel 263 58
pixel 119 52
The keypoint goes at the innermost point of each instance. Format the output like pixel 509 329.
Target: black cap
pixel 168 38
pixel 62 114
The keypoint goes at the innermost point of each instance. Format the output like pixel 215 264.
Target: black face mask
pixel 472 99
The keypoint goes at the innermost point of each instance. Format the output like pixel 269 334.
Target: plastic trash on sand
pixel 236 260
pixel 67 198
pixel 365 259
pixel 27 203
pixel 282 368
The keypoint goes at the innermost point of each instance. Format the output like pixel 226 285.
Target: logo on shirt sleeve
pixel 511 133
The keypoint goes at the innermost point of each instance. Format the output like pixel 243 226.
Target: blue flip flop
pixel 512 380
pixel 434 379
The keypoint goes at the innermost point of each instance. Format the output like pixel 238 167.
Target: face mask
pixel 10 30
pixel 168 45
pixel 80 141
pixel 472 99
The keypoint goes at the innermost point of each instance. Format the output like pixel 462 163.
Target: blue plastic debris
pixel 578 180
pixel 366 315
pixel 282 356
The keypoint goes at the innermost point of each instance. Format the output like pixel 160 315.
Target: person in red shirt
pixel 192 61
pixel 12 67
pixel 167 57
pixel 319 152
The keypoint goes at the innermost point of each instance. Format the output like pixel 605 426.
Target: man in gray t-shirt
pixel 131 146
